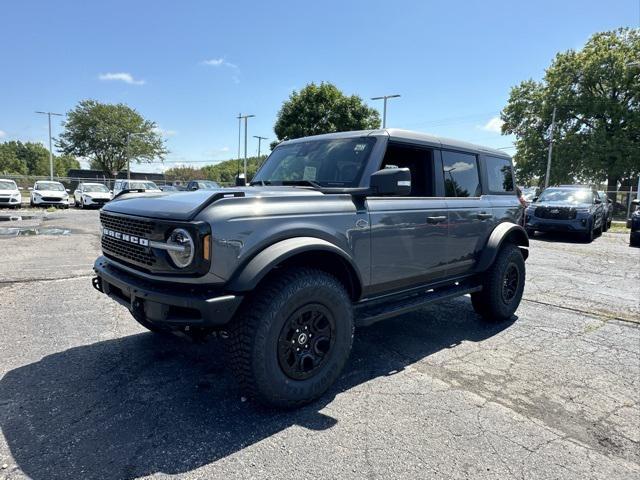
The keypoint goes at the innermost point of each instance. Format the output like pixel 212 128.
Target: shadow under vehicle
pixel 144 404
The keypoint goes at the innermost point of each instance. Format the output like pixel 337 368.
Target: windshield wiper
pixel 309 183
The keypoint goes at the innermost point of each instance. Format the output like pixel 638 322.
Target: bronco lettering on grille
pixel 125 237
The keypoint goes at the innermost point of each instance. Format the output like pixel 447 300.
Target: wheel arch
pixel 504 232
pixel 299 251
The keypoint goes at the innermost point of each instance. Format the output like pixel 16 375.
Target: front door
pixel 408 234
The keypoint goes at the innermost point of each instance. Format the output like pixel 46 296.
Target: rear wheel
pixel 292 338
pixel 502 286
pixel 530 232
pixel 605 225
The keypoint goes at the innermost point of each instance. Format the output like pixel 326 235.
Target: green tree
pixel 596 92
pixel 108 135
pixel 10 162
pixel 63 163
pixel 323 108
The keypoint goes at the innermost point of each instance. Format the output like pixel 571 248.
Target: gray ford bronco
pixel 335 231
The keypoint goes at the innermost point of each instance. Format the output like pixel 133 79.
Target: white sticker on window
pixel 359 147
pixel 309 173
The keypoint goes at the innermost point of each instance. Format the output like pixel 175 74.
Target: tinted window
pixel 461 177
pixel 499 174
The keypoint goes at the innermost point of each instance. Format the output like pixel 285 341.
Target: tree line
pixel 29 158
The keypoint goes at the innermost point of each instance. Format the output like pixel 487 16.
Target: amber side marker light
pixel 206 247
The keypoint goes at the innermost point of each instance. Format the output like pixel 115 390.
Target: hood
pixel 186 205
pixel 561 205
pixel 51 193
pixel 97 194
pixel 9 192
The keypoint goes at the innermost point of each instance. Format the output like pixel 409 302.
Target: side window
pixel 418 160
pixel 499 174
pixel 461 177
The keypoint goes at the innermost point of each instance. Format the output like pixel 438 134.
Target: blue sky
pixel 192 66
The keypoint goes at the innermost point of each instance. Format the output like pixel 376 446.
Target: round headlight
pixel 182 255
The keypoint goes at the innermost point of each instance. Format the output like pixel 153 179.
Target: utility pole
pixel 259 140
pixel 553 124
pixel 245 117
pixel 384 110
pixel 239 117
pixel 50 147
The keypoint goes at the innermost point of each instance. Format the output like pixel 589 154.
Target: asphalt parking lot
pixel 87 393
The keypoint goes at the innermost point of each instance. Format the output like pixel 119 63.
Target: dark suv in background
pixel 567 208
pixel 334 231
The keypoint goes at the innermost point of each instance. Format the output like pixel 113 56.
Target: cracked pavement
pixel 87 393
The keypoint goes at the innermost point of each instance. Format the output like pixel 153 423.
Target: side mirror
pixel 535 199
pixel 391 181
pixel 67 190
pixel 241 181
pixel 30 188
pixel 597 201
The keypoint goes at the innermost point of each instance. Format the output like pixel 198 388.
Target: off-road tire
pixel 255 333
pixel 490 303
pixel 634 242
pixel 605 225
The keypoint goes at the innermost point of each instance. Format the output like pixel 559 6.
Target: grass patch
pixel 619 228
pixel 52 209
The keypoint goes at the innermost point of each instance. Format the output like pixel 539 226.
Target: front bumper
pixel 548 225
pixel 165 303
pixel 12 201
pixel 95 202
pixel 42 201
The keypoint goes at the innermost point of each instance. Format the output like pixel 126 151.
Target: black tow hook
pixel 97 284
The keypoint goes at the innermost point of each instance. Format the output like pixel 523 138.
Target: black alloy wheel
pixel 305 341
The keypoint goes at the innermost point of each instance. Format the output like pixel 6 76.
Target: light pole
pixel 384 110
pixel 239 117
pixel 259 140
pixel 50 148
pixel 129 135
pixel 553 125
pixel 245 117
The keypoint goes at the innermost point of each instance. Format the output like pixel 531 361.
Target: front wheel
pixel 502 286
pixel 292 338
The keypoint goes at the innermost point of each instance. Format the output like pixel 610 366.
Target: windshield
pixel 326 163
pixel 529 193
pixel 207 185
pixel 8 185
pixel 572 196
pixel 55 186
pixel 96 188
pixel 141 186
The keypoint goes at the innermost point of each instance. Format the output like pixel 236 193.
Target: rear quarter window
pixel 499 175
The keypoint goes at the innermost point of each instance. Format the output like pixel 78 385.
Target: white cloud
pixel 221 62
pixel 3 134
pixel 165 133
pixel 224 149
pixel 121 77
pixel 493 125
pixel 461 166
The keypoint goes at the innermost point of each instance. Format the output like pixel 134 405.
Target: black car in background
pixel 567 208
pixel 634 224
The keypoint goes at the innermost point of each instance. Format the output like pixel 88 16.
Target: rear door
pixel 408 234
pixel 470 215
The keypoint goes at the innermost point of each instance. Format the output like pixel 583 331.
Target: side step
pixel 371 312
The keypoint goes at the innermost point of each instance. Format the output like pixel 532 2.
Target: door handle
pixel 484 216
pixel 439 219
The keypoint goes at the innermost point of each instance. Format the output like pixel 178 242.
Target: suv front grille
pixel 128 251
pixel 132 226
pixel 556 213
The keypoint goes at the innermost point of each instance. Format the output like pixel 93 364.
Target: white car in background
pixel 91 195
pixel 48 192
pixel 9 194
pixel 146 185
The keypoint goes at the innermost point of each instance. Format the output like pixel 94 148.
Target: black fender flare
pixel 260 265
pixel 505 231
